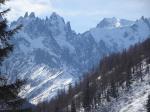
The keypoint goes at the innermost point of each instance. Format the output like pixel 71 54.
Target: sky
pixel 82 14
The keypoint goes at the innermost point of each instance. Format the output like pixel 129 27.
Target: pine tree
pixel 70 90
pixel 73 107
pixel 113 90
pixel 86 96
pixel 9 99
pixel 56 109
pixel 148 104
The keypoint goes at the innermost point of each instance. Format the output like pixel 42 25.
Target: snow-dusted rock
pixel 50 54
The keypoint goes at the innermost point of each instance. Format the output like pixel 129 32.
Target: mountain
pixel 123 85
pixel 114 23
pixel 120 83
pixel 51 55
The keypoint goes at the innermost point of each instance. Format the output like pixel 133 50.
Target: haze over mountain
pixel 51 55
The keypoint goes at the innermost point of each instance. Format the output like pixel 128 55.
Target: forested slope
pixel 114 78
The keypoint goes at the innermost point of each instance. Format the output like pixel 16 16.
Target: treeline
pixel 102 84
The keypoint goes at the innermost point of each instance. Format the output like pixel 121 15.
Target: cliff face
pixel 51 55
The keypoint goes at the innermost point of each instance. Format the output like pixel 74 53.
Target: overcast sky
pixel 83 14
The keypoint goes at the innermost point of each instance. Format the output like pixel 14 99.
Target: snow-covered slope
pixel 133 99
pixel 50 54
pixel 44 83
pixel 122 37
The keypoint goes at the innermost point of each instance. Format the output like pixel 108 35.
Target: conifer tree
pixel 86 96
pixel 9 99
pixel 56 109
pixel 113 90
pixel 148 104
pixel 73 107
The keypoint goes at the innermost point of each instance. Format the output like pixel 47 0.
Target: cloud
pixel 19 7
pixel 83 14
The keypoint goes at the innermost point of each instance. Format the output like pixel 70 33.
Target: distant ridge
pixel 51 55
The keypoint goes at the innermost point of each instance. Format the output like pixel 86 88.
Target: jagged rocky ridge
pixel 51 55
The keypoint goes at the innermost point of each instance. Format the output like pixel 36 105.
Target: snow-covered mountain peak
pixel 26 15
pixel 51 42
pixel 109 23
pixel 142 18
pixel 54 15
pixel 114 23
pixel 56 19
pixel 32 15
